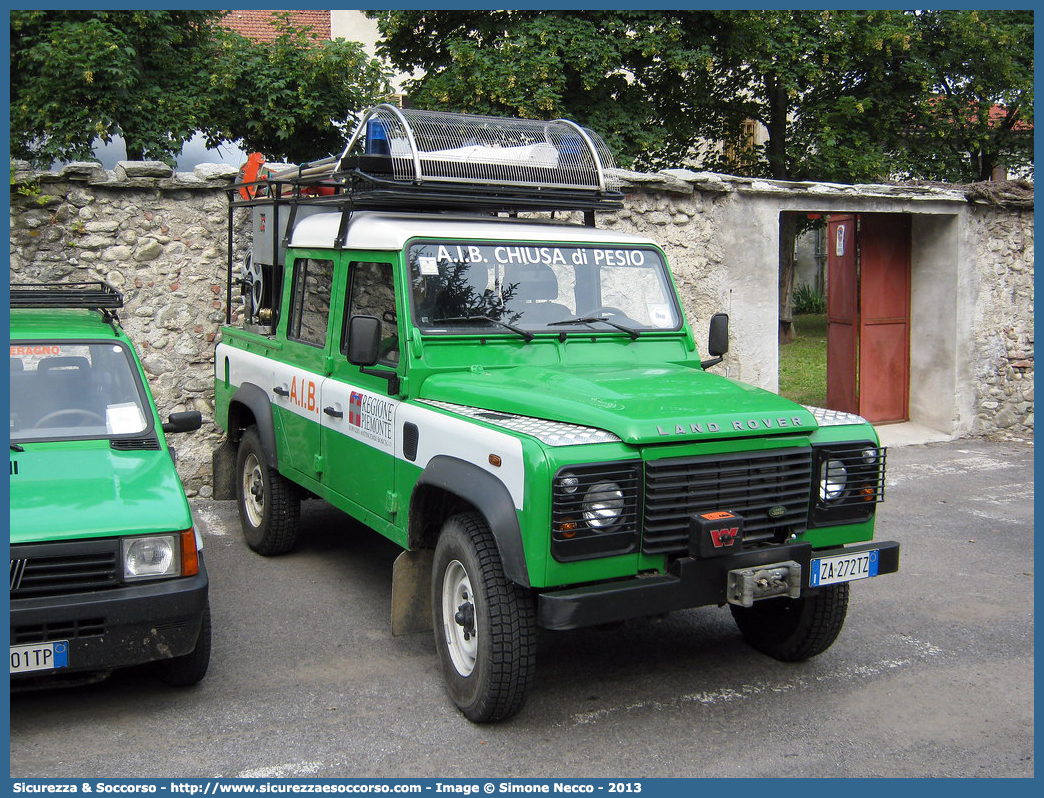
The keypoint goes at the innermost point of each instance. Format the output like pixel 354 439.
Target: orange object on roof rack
pixel 248 175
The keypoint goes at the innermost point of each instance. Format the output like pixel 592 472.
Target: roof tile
pixel 258 25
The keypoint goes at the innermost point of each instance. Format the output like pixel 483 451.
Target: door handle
pixel 331 412
pixel 279 389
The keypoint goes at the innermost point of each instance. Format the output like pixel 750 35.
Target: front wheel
pixel 269 507
pixel 792 630
pixel 485 625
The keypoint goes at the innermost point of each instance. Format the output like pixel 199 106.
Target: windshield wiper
pixel 16 448
pixel 518 330
pixel 592 319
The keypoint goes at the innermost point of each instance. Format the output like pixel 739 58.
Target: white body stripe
pixel 375 419
pixel 457 437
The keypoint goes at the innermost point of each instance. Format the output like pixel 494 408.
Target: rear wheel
pixel 485 625
pixel 269 505
pixel 792 630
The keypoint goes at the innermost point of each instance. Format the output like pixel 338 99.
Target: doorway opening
pixel 802 344
pixel 855 356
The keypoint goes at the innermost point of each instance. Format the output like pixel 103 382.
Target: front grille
pixel 66 630
pixel 769 489
pixel 61 568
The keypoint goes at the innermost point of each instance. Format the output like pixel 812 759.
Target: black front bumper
pixel 690 582
pixel 115 628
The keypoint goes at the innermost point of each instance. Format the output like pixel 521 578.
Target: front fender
pixel 491 498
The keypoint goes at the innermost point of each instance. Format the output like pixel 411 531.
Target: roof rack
pixel 431 160
pixel 93 295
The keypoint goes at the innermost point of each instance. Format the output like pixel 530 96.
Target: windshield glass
pixel 461 286
pixel 62 390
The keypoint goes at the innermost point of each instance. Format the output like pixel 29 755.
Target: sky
pixel 194 153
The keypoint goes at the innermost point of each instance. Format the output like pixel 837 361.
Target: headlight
pixel 848 482
pixel 603 505
pixel 594 510
pixel 833 477
pixel 151 557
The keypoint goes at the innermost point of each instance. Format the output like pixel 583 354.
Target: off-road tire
pixel 792 630
pixel 494 669
pixel 190 668
pixel 269 504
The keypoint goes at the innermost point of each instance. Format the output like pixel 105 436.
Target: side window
pixel 310 301
pixel 372 293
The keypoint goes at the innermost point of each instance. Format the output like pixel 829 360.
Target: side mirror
pixel 717 339
pixel 364 340
pixel 188 421
pixel 364 347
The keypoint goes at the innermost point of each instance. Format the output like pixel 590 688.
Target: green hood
pixel 662 403
pixel 66 491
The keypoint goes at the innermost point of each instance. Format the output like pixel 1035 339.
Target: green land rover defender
pixel 519 403
pixel 107 569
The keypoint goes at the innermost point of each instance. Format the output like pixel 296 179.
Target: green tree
pixel 978 114
pixel 614 71
pixel 828 87
pixel 290 98
pixel 81 75
pixel 156 78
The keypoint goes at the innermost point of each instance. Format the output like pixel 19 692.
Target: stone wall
pixel 1002 319
pixel 161 239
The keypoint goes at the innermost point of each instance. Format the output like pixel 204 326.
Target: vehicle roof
pixel 382 230
pixel 60 323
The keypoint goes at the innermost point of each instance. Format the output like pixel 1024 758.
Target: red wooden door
pixel 868 315
pixel 842 314
pixel 884 317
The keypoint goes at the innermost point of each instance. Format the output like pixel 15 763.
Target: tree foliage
pixel 81 75
pixel 156 78
pixel 825 85
pixel 844 95
pixel 614 71
pixel 289 99
pixel 978 114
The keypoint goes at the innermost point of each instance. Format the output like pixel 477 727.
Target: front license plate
pixel 843 568
pixel 40 657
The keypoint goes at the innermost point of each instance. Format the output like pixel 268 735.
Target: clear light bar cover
pixel 438 147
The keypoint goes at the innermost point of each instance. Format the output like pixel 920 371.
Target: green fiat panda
pixel 106 568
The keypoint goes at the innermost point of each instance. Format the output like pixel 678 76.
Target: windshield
pixel 62 390
pixel 462 286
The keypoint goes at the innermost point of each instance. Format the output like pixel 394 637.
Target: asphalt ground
pixel 932 675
